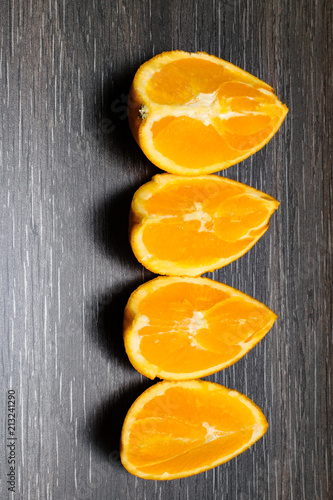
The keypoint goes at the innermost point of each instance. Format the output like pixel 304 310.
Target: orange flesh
pixel 198 326
pixel 201 454
pixel 180 81
pixel 165 241
pixel 186 429
pixel 179 198
pixel 192 142
pixel 173 137
pixel 207 222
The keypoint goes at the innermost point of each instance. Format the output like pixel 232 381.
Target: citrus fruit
pixel 184 328
pixel 194 114
pixel 177 429
pixel 185 226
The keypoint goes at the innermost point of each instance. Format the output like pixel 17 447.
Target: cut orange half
pixel 186 328
pixel 194 114
pixel 178 429
pixel 186 226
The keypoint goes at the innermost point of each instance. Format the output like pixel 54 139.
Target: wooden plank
pixel 69 168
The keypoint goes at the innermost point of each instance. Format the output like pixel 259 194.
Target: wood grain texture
pixel 69 168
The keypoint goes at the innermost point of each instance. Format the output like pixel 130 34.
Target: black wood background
pixel 69 168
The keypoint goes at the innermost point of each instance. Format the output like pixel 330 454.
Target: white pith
pixel 203 107
pixel 200 215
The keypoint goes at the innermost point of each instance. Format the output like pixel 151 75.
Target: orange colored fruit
pixel 186 328
pixel 186 226
pixel 194 114
pixel 178 429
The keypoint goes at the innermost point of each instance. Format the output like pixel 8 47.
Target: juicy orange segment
pixel 186 328
pixel 194 114
pixel 183 226
pixel 178 429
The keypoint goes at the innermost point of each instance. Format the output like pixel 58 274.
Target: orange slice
pixel 194 114
pixel 178 429
pixel 184 226
pixel 186 328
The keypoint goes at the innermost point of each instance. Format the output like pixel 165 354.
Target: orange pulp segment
pixel 183 226
pixel 185 328
pixel 194 114
pixel 178 429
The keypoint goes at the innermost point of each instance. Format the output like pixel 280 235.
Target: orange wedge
pixel 186 328
pixel 186 226
pixel 194 114
pixel 178 429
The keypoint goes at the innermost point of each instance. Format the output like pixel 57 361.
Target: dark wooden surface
pixel 69 168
